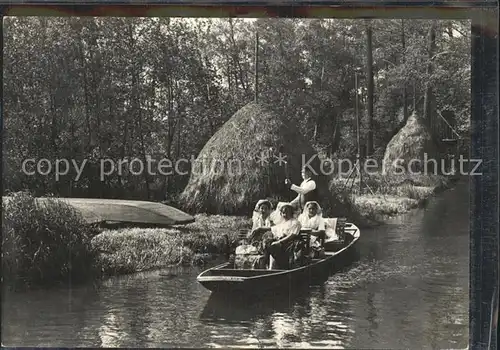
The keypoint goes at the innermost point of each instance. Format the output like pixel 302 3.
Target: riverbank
pixel 134 250
pixel 413 275
pixel 116 251
pixel 129 250
pixel 386 197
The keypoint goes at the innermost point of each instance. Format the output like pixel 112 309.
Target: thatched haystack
pixel 412 142
pixel 236 186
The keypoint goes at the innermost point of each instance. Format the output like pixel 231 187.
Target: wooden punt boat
pixel 332 243
pixel 224 278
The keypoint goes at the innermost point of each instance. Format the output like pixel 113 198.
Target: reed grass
pixel 377 206
pixel 390 194
pixel 44 243
pixel 130 250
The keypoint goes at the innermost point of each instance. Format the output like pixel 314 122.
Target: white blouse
pixel 315 223
pixel 286 228
pixel 259 221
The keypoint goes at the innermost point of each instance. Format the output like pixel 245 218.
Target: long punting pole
pixel 358 156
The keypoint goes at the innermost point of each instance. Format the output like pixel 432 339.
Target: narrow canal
pixel 409 289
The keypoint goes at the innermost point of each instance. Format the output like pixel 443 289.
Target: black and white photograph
pixel 202 182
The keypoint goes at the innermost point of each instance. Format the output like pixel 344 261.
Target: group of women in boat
pixel 272 242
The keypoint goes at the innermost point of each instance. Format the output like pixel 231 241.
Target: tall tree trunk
pixel 72 151
pixel 321 109
pixel 369 73
pixel 256 74
pixel 405 95
pixel 236 58
pixel 431 48
pixel 136 106
pixel 141 134
pixel 334 145
pixel 414 96
pixel 95 63
pixel 167 182
pixel 54 131
pixel 86 97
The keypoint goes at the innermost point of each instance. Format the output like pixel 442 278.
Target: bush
pixel 44 242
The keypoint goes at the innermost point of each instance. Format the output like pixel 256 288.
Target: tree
pixel 369 73
pixel 428 118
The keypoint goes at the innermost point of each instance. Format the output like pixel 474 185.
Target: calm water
pixel 409 289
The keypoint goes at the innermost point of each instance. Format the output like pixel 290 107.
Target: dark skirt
pixel 288 255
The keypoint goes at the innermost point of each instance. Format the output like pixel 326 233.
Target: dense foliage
pixel 124 88
pixel 45 242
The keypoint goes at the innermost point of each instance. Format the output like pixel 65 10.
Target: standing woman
pixel 306 192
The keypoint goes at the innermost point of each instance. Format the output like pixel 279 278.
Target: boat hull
pixel 224 279
pixel 132 212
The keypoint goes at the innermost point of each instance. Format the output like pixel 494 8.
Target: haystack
pixel 412 142
pixel 228 177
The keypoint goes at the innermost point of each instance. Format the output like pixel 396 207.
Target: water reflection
pixel 309 317
pixel 408 288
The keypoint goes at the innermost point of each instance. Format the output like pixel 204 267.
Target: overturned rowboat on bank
pixel 128 212
pixel 118 211
pixel 224 278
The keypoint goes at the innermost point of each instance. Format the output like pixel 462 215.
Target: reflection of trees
pixel 445 282
pixel 153 310
pixel 417 295
pixel 315 316
pixel 52 317
pixel 174 305
pixel 126 315
pixel 371 314
pixel 113 330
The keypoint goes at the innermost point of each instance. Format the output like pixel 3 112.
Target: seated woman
pixel 279 243
pixel 261 219
pixel 250 254
pixel 275 216
pixel 312 218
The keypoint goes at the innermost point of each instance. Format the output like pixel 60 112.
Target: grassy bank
pixel 133 250
pixel 385 196
pixel 48 243
pixel 129 250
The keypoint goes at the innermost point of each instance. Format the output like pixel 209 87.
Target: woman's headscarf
pixel 276 214
pixel 311 222
pixel 256 213
pixel 262 201
pixel 308 204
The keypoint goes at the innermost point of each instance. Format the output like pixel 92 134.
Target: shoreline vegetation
pixel 38 239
